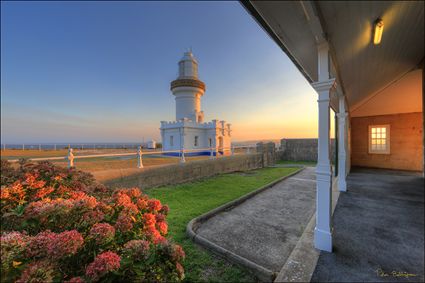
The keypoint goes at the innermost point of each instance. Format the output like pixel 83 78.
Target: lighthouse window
pixel 171 140
pixel 196 140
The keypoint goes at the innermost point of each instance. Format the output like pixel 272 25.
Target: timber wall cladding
pixel 406 149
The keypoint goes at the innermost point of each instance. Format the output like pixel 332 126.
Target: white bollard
pixel 23 147
pixel 70 158
pixel 139 157
pixel 182 159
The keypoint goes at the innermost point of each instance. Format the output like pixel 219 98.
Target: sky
pixel 101 71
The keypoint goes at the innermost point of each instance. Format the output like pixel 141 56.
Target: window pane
pixel 373 136
pixel 373 141
pixel 373 130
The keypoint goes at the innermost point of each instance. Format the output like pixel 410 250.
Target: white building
pixel 189 131
pixel 151 144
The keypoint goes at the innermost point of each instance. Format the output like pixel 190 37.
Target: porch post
pixel 323 232
pixel 342 146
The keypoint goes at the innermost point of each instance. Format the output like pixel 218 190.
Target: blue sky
pixel 100 71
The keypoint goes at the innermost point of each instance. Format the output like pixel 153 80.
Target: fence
pixel 181 154
pixel 81 146
pixel 263 156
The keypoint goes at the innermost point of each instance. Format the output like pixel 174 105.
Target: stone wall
pixel 186 172
pixel 301 149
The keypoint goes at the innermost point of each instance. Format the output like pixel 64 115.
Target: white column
pixel 139 158
pixel 70 158
pixel 182 159
pixel 323 232
pixel 342 146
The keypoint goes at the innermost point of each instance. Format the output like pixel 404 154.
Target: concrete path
pixel 378 230
pixel 265 228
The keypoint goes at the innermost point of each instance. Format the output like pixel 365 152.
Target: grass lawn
pixel 286 162
pixel 188 201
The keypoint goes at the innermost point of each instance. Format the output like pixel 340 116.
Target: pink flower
pixel 42 192
pixel 123 200
pixel 162 227
pixel 31 181
pixel 142 204
pixel 75 280
pixel 93 216
pixel 38 244
pixel 149 219
pixel 178 253
pixel 180 271
pixel 102 264
pixel 124 222
pixel 65 244
pixel 55 245
pixel 154 204
pixel 153 234
pixel 38 271
pixel 103 233
pixel 13 244
pixel 164 209
pixel 134 192
pixel 137 249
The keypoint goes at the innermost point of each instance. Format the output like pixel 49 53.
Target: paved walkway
pixel 378 230
pixel 265 228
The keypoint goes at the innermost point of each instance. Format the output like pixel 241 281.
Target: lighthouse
pixel 188 90
pixel 189 131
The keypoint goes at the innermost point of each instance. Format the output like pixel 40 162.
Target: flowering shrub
pixel 60 225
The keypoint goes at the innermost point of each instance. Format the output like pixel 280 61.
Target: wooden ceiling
pixel 363 68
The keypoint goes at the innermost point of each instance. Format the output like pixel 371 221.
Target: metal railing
pixel 181 154
pixel 59 146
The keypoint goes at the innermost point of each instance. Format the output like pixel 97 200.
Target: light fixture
pixel 378 28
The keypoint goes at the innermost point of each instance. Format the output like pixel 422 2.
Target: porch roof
pixel 362 69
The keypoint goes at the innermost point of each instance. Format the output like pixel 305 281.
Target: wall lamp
pixel 378 28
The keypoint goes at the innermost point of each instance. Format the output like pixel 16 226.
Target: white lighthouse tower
pixel 189 131
pixel 188 90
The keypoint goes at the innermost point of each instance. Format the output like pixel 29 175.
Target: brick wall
pixel 406 148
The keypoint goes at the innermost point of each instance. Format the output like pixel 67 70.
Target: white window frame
pixel 387 139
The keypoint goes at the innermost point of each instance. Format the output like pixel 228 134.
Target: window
pixel 379 139
pixel 210 142
pixel 171 140
pixel 196 140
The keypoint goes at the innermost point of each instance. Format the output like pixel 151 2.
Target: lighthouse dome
pixel 188 56
pixel 188 66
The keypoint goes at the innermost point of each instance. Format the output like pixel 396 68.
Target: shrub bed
pixel 61 225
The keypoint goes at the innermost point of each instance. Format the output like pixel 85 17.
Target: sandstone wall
pixel 301 149
pixel 186 172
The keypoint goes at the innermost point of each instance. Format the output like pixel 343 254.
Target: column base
pixel 342 185
pixel 322 240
